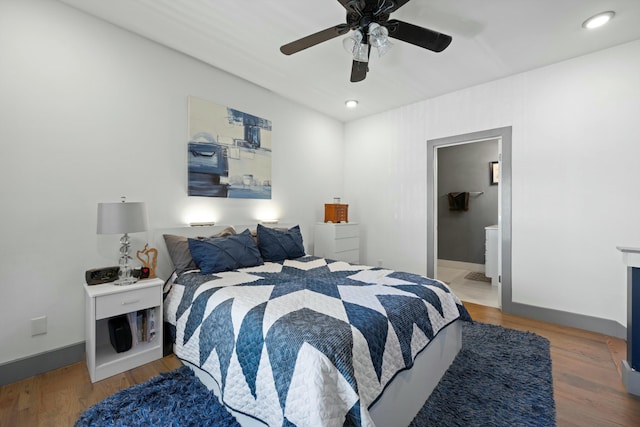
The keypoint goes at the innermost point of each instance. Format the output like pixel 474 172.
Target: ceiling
pixel 491 39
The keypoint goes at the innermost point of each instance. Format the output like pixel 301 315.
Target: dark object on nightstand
pixel 141 273
pixel 120 333
pixel 97 276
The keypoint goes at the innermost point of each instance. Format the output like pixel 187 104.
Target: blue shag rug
pixel 501 377
pixel 175 398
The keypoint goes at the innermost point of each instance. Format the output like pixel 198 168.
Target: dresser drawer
pixel 348 244
pixel 346 230
pixel 126 302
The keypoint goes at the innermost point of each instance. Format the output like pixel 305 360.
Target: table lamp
pixel 122 218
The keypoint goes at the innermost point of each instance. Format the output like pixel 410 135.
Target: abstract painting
pixel 229 152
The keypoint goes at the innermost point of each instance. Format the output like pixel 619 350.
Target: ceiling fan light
pixel 352 42
pixel 384 48
pixel 377 34
pixel 349 44
pixel 361 53
pixel 598 20
pixel 379 38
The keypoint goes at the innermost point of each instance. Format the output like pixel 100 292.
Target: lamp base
pixel 125 281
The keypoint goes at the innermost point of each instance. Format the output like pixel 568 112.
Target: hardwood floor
pixel 586 379
pixel 57 398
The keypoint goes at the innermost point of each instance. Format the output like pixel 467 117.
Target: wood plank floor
pixel 586 379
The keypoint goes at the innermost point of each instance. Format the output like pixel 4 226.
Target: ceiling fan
pixel 369 20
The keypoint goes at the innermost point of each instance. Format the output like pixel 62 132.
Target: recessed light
pixel 598 20
pixel 352 103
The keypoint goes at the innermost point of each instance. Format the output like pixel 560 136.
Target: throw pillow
pixel 178 248
pixel 278 245
pixel 219 254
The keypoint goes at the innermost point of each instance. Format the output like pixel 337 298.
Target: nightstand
pixel 106 301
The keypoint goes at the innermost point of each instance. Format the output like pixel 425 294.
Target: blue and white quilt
pixel 306 342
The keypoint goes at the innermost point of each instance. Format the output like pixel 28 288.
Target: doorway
pixel 467 232
pixel 503 136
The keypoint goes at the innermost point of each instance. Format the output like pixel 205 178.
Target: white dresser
pixel 491 253
pixel 338 241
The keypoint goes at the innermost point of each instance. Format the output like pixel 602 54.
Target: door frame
pixel 504 209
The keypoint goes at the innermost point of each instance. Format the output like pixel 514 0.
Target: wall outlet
pixel 379 263
pixel 38 326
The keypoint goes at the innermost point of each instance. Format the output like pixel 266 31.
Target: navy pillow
pixel 225 253
pixel 278 245
pixel 178 247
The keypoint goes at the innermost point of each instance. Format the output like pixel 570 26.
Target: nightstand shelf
pixel 106 301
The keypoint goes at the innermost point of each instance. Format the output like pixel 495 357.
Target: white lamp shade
pixel 120 218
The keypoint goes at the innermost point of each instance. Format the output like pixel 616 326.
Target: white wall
pixel 575 177
pixel 89 112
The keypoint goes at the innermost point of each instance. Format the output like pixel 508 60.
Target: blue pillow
pixel 218 254
pixel 278 245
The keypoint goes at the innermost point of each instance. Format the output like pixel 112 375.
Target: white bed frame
pixel 404 396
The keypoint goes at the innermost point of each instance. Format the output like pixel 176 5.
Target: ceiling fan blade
pixel 418 36
pixel 359 71
pixel 314 39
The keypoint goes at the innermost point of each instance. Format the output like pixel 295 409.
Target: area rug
pixel 478 277
pixel 175 398
pixel 501 377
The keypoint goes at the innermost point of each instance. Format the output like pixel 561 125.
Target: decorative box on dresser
pixel 105 301
pixel 338 241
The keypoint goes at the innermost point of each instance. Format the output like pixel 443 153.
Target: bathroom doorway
pixel 461 236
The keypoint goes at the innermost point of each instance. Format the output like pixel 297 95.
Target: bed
pixel 284 338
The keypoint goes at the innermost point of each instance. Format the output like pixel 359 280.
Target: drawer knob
pixel 130 302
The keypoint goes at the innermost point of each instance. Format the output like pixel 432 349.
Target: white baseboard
pixel 479 268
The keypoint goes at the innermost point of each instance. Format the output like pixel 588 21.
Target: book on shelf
pixel 143 325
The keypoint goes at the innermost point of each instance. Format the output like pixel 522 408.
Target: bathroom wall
pixel 466 168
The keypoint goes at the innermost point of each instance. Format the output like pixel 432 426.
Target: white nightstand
pixel 108 300
pixel 338 241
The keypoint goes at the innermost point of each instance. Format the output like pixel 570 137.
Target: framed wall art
pixel 494 172
pixel 229 152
